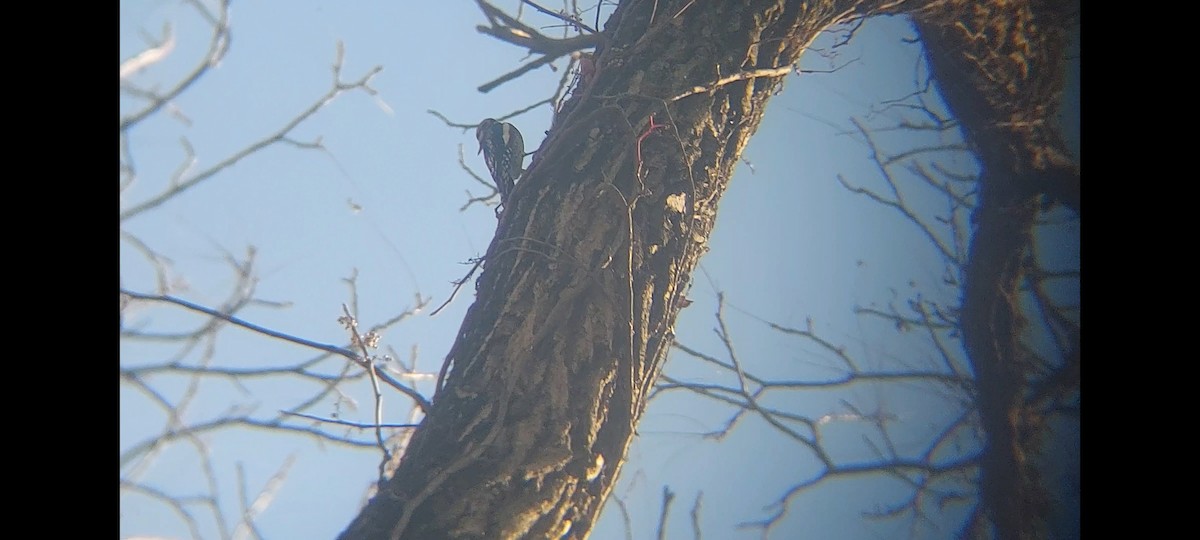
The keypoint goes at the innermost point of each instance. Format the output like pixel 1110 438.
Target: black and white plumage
pixel 504 152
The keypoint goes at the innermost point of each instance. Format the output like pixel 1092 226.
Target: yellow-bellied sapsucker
pixel 504 151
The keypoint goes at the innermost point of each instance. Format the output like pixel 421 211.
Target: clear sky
pixel 791 244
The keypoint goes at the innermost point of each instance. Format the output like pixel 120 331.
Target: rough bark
pixel 582 283
pixel 575 308
pixel 1000 67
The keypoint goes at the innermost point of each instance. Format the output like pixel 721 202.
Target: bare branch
pixel 279 136
pixel 152 55
pixel 745 75
pixel 218 46
pixel 573 20
pixel 667 498
pixel 508 29
pixel 333 349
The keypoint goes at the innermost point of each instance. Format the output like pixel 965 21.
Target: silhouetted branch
pixel 182 183
pixel 509 30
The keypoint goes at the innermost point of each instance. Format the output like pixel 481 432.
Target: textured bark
pixel 575 308
pixel 582 283
pixel 1000 66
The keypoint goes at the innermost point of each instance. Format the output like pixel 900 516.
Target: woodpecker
pixel 504 152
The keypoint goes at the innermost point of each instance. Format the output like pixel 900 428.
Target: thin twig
pixel 332 349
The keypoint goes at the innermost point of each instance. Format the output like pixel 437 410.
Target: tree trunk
pixel 1000 67
pixel 575 308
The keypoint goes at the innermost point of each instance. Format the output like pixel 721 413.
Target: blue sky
pixel 790 244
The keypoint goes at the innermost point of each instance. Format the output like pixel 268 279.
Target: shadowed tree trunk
pixel 1001 68
pixel 575 308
